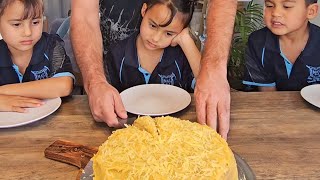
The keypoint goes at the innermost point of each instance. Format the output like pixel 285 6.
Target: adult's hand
pixel 104 100
pixel 212 96
pixel 105 104
pixel 212 92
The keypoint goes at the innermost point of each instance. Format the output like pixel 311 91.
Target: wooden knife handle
pixel 71 153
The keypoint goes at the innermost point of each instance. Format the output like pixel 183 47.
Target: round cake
pixel 165 148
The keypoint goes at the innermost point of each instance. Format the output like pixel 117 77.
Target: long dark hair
pixel 308 2
pixel 186 7
pixel 32 8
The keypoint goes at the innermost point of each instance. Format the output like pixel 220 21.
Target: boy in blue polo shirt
pixel 147 57
pixel 284 55
pixel 33 65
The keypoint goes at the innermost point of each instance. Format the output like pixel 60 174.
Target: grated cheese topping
pixel 164 148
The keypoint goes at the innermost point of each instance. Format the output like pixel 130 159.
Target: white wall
pixel 315 21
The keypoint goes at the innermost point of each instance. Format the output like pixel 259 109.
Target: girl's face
pixel 20 35
pixel 153 36
pixel 283 17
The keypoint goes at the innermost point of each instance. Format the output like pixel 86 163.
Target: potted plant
pixel 247 20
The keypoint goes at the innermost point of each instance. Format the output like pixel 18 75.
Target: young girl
pixel 33 64
pixel 148 57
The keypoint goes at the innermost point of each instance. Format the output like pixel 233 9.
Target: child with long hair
pixel 33 65
pixel 162 52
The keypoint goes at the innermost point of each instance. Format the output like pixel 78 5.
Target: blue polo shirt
pixel 267 66
pixel 48 60
pixel 125 71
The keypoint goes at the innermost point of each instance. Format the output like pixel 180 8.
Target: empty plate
pixel 14 119
pixel 155 99
pixel 311 94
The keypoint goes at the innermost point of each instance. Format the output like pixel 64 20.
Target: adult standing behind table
pixel 120 18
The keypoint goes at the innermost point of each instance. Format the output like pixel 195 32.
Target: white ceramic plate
pixel 14 119
pixel 311 94
pixel 155 99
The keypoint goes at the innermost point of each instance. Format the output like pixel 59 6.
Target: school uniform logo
pixel 168 79
pixel 314 74
pixel 42 74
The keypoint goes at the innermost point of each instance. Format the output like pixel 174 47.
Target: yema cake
pixel 165 148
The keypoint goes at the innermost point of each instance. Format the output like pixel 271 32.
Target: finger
pixel 109 116
pixel 106 115
pixel 32 100
pixel 212 114
pixel 96 113
pixel 224 118
pixel 95 108
pixel 113 122
pixel 18 109
pixel 119 107
pixel 200 109
pixel 27 104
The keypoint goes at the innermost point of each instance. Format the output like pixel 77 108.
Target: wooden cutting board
pixel 71 153
pixel 77 154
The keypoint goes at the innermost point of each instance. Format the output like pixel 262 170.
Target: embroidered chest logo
pixel 314 74
pixel 168 79
pixel 42 74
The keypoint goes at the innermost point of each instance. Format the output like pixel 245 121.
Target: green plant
pixel 247 20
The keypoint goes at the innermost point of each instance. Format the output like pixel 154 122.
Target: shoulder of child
pixel 119 48
pixel 259 37
pixel 52 40
pixel 260 33
pixel 315 27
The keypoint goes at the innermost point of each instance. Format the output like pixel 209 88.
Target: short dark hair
pixel 308 2
pixel 32 8
pixel 186 7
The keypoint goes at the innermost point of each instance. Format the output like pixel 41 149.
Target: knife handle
pixel 71 153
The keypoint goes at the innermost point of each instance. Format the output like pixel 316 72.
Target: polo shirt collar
pixel 313 40
pixel 38 51
pixel 272 41
pixel 37 55
pixel 131 56
pixel 5 60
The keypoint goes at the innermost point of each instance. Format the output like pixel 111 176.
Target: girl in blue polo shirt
pixel 162 52
pixel 285 55
pixel 33 65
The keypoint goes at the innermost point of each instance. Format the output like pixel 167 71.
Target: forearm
pixel 87 41
pixel 192 53
pixel 41 89
pixel 220 23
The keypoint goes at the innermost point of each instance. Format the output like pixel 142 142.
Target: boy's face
pixel 153 36
pixel 20 35
pixel 283 17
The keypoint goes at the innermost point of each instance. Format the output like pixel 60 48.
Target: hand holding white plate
pixel 14 119
pixel 155 99
pixel 312 94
